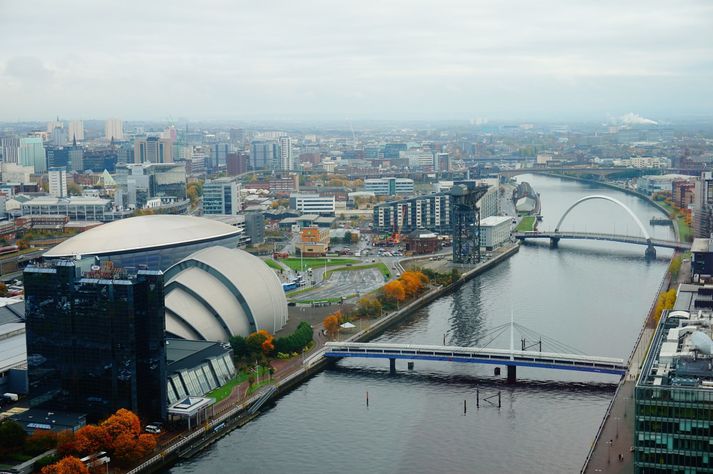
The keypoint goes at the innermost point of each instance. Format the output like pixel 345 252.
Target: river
pixel 590 295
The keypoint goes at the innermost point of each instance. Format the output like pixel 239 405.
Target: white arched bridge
pixel 645 239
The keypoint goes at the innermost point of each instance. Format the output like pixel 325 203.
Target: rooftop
pixel 143 232
pixel 682 349
pixel 492 221
pixel 185 354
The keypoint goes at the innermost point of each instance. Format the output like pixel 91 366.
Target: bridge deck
pixel 545 360
pixel 631 239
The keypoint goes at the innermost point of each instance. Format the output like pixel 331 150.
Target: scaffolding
pixel 465 219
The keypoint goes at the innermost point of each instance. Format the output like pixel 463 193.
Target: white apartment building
pixel 389 186
pixel 58 182
pixel 494 230
pixel 312 203
pixel 114 128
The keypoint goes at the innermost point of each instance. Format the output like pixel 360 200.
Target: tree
pixel 331 323
pixel 40 441
pixel 91 439
pixel 3 290
pixel 123 421
pixel 22 244
pixel 260 342
pixel 368 307
pixel 73 189
pixel 68 465
pixel 394 291
pixel 12 437
pixel 239 345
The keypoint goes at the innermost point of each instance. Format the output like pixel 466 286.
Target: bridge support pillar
pixel 512 374
pixel 650 252
pixel 554 242
pixel 392 366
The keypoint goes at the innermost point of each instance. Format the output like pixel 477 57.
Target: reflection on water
pixel 590 295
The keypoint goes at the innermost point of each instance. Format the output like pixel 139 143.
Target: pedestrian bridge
pixel 630 239
pixel 504 357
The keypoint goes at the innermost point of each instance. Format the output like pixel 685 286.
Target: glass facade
pixel 95 342
pixel 674 406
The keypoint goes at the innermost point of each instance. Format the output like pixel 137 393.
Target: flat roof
pixel 143 232
pixel 13 347
pixel 701 245
pixel 492 221
pixel 184 354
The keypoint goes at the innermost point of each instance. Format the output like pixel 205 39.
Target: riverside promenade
pixel 615 437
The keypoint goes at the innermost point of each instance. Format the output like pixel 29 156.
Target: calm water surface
pixel 590 295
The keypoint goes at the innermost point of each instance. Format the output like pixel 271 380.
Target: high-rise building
pixel 389 186
pixel 114 129
pixel 95 339
pixel 153 150
pixel 54 124
pixel 286 161
pixel 57 137
pixel 264 155
pixel 237 137
pixel 221 196
pixel 75 131
pixel 255 227
pixel 703 206
pixel 674 392
pixel 58 182
pixel 57 157
pixel 237 163
pixel 32 153
pixel 10 149
pixel 218 154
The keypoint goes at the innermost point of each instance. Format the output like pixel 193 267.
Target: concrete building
pixel 218 155
pixel 494 231
pixel 255 227
pixel 388 186
pixel 139 183
pixel 237 163
pixel 314 242
pixel 312 203
pixel 32 153
pixel 703 206
pixel 13 347
pixel 153 150
pixel 58 182
pixel 674 393
pixel 114 129
pixel 286 159
pixel 75 130
pixel 78 208
pixel 264 155
pixel 418 159
pixel 658 183
pixel 221 196
pixel 10 149
pixel 431 212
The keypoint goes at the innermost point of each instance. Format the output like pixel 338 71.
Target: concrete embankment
pixel 315 363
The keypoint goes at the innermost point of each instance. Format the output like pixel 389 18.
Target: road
pixel 345 283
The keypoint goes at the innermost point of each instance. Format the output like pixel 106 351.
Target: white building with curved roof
pixel 218 292
pixel 155 241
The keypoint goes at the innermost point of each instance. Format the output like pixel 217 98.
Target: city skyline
pixel 414 61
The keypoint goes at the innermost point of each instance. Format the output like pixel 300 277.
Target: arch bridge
pixel 646 240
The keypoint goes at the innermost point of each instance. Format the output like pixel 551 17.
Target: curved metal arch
pixel 605 198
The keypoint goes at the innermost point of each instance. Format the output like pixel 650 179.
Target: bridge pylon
pixel 554 242
pixel 650 251
pixel 512 374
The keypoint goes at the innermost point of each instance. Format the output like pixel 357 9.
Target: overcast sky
pixel 338 59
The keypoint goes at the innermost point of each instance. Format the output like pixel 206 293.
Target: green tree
pixel 239 345
pixel 73 189
pixel 12 437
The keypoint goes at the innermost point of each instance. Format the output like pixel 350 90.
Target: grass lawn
pixel 527 224
pixel 273 264
pixel 295 262
pixel 685 231
pixel 380 266
pixel 223 392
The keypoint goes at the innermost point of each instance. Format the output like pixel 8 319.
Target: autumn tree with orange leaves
pixel 91 439
pixel 260 341
pixel 68 465
pixel 331 323
pixel 394 291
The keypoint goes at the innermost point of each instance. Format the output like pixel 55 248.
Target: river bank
pixel 219 427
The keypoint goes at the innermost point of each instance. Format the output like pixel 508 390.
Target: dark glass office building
pixel 674 393
pixel 95 339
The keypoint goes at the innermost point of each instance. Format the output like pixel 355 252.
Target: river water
pixel 590 295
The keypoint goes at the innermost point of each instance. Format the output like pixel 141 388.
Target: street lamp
pixel 609 443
